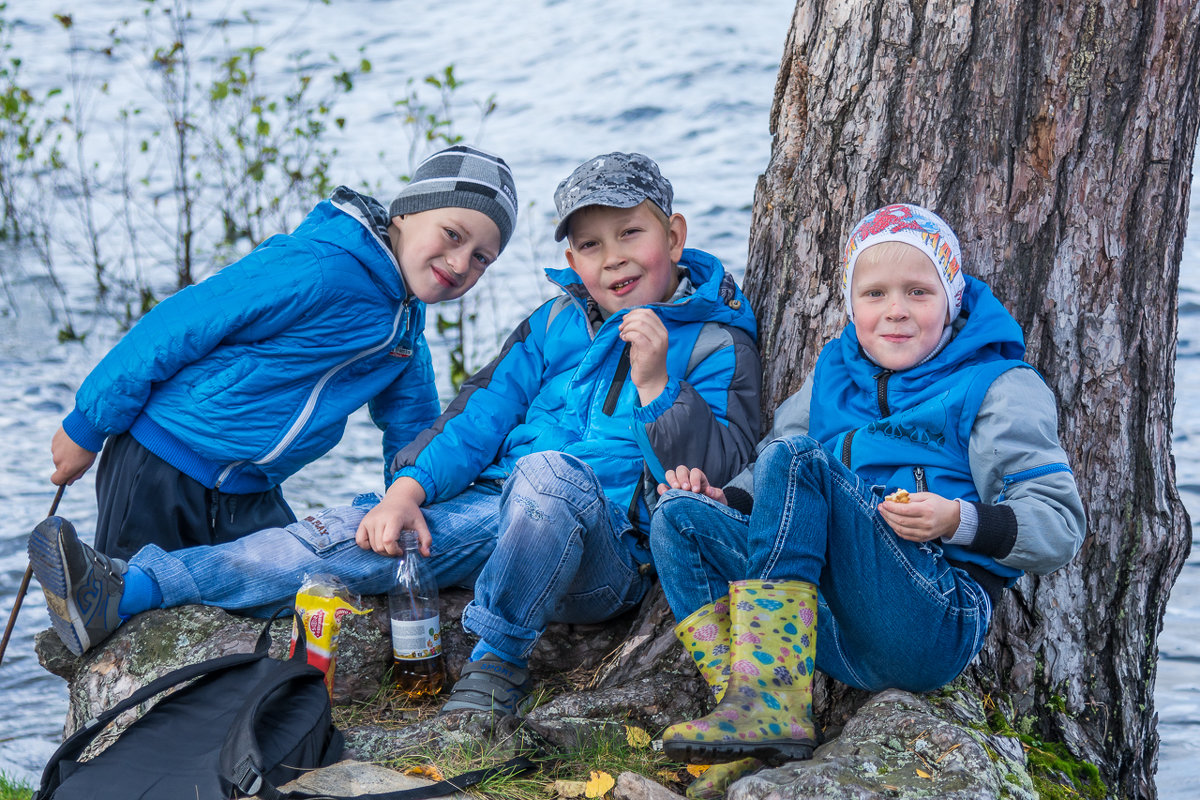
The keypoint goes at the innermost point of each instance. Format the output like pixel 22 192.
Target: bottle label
pixel 413 640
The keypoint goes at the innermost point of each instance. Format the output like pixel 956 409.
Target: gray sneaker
pixel 490 684
pixel 83 588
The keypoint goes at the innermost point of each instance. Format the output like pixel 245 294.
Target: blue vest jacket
pixel 911 429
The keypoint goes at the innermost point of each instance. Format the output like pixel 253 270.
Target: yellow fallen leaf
pixel 924 774
pixel 598 784
pixel 426 771
pixel 636 736
pixel 568 788
pixel 696 770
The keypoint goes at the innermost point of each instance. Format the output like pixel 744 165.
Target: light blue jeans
pixel 891 613
pixel 547 547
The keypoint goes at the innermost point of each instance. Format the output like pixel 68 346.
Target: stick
pixel 12 618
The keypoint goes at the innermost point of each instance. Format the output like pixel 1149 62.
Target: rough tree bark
pixel 1058 139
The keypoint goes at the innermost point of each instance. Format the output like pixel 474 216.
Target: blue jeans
pixel 891 613
pixel 548 547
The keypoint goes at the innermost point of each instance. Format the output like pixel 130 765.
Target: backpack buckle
pixel 248 777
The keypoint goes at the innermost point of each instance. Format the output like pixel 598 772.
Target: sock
pixel 481 649
pixel 141 593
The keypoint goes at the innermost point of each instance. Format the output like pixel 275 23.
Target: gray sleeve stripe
pixel 562 303
pixel 713 336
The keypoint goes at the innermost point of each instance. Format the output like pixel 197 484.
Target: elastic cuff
pixel 666 398
pixel 420 476
pixel 82 432
pixel 968 525
pixel 997 531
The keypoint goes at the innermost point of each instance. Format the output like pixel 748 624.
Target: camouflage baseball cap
pixel 619 180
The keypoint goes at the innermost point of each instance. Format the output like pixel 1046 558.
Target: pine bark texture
pixel 1058 140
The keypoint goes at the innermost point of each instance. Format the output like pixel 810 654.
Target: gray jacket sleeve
pixel 791 419
pixel 1036 522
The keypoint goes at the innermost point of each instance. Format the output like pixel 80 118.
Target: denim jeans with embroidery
pixel 547 547
pixel 891 613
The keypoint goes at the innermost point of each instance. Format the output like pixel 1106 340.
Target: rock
pixel 631 786
pixel 901 745
pixel 354 778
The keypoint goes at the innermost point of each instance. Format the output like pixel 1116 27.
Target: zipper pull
pixel 919 477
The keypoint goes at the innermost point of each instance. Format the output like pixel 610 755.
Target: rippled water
pixel 689 83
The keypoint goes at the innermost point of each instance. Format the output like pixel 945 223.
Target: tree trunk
pixel 1057 138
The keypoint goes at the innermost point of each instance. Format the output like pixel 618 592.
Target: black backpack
pixel 245 722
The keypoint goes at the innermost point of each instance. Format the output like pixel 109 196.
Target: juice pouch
pixel 323 602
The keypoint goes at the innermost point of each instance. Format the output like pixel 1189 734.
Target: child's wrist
pixel 649 390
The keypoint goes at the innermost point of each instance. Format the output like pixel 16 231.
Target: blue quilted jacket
pixel 242 379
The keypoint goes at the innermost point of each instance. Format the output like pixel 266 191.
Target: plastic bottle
pixel 418 666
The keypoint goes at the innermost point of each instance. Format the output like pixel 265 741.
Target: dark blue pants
pixel 142 500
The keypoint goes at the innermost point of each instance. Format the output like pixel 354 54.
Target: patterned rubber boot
pixel 766 711
pixel 705 635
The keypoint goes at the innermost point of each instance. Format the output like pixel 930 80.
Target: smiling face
pixel 444 251
pixel 899 305
pixel 626 257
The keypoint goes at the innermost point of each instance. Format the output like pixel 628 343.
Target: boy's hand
pixel 926 516
pixel 70 460
pixel 692 480
pixel 647 337
pixel 400 510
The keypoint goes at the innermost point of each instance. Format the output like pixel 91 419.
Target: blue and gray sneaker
pixel 489 685
pixel 82 587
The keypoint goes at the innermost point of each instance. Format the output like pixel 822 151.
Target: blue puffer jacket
pixel 912 429
pixel 561 384
pixel 242 379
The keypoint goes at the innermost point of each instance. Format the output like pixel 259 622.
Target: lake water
pixel 688 83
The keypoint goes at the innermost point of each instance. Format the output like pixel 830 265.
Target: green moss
pixel 1050 763
pixel 1056 774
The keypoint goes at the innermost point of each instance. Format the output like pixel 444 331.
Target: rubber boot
pixel 705 635
pixel 766 710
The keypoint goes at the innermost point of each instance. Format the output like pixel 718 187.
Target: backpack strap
pixel 82 737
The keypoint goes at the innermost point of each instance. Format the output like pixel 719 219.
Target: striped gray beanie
pixel 462 177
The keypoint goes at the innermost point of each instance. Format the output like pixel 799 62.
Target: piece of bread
pixel 898 496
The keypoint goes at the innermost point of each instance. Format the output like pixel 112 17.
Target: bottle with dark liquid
pixel 418 666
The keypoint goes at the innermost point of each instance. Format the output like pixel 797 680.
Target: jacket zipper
pixel 618 382
pixel 919 478
pixel 1027 474
pixel 881 383
pixel 846 447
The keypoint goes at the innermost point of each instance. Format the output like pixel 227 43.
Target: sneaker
pixel 490 684
pixel 83 588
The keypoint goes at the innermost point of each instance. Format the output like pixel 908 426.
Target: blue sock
pixel 141 594
pixel 481 649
